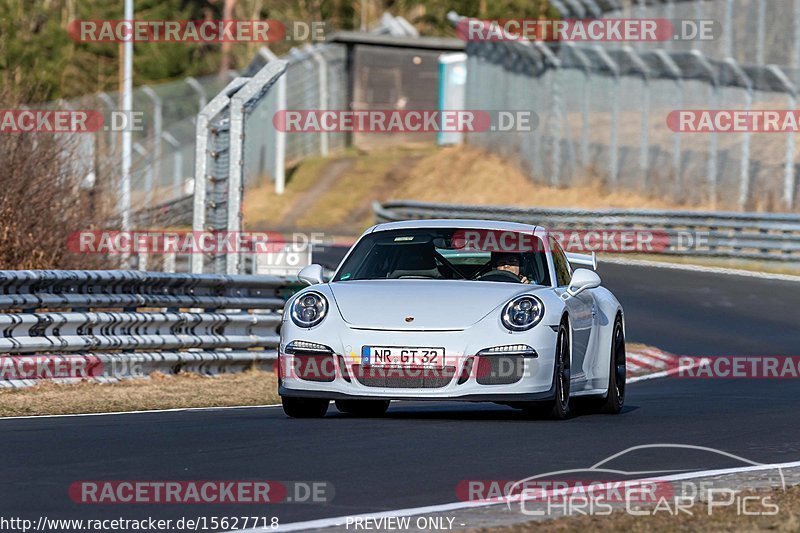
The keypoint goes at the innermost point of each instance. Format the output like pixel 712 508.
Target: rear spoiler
pixel 587 260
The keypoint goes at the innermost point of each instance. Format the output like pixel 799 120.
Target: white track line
pixel 457 506
pixel 175 410
pixel 700 268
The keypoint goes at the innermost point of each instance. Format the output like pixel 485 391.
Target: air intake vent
pixel 500 369
pixel 404 378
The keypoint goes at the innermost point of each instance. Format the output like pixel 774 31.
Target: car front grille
pixel 404 378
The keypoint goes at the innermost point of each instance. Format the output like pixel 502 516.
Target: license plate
pixel 402 356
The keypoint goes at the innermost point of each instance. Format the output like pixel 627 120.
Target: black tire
pixel 559 408
pixel 615 398
pixel 304 407
pixel 367 408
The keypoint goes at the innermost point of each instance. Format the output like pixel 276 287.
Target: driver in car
pixel 508 262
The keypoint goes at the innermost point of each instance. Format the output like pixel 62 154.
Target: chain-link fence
pixel 163 158
pixel 753 32
pixel 316 78
pixel 163 142
pixel 602 117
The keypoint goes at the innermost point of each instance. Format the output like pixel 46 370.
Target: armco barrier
pixel 119 324
pixel 755 236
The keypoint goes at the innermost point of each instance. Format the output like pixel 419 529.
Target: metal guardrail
pixel 756 236
pixel 127 323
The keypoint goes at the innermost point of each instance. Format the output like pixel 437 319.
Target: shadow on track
pixel 478 411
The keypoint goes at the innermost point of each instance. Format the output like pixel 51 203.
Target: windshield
pixel 450 254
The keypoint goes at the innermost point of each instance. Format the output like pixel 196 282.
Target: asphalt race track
pixel 417 455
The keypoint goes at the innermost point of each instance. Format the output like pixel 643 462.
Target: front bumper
pixel 465 378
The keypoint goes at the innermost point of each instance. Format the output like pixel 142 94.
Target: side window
pixel 560 263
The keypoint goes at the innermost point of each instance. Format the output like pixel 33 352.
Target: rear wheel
pixel 559 407
pixel 304 407
pixel 615 398
pixel 363 407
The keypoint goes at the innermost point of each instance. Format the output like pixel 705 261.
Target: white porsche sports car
pixel 469 310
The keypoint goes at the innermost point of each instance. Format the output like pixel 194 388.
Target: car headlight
pixel 522 313
pixel 309 309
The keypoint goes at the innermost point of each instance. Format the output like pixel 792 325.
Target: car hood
pixel 434 304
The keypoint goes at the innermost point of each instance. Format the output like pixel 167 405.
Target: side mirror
pixel 582 279
pixel 312 274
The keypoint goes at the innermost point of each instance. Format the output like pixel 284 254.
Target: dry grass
pixel 721 519
pixel 158 392
pixel 347 204
pixel 468 175
pixel 264 209
pixel 461 174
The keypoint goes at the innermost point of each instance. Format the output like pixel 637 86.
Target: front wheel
pixel 559 407
pixel 367 408
pixel 617 374
pixel 304 407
